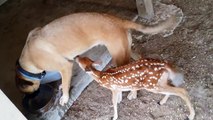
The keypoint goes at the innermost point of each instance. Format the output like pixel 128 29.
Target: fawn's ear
pixel 97 63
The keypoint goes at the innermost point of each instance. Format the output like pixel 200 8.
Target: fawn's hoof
pixel 186 118
pixel 112 118
pixel 158 103
pixel 191 116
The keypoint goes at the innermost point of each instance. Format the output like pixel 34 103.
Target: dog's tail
pixel 151 29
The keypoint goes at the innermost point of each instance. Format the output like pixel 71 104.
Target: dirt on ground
pixel 190 47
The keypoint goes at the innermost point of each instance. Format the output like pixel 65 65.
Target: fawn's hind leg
pixel 164 99
pixel 178 92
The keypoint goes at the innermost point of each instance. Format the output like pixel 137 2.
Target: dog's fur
pixel 54 46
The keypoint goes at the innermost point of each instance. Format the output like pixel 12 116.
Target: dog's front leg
pixel 66 74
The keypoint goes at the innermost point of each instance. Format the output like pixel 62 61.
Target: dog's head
pixel 25 85
pixel 27 82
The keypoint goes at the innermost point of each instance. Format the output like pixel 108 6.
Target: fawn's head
pixel 84 62
pixel 88 66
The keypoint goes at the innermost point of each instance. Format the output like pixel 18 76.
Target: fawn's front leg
pixel 115 94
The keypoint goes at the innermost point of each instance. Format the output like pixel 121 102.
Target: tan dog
pixel 54 46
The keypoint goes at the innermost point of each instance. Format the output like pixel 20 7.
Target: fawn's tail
pixel 176 78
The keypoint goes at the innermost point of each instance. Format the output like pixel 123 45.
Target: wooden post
pixel 145 8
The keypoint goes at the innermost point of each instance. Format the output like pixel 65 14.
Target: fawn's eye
pixel 87 68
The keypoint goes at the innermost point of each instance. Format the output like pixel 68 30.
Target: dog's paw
pixel 63 100
pixel 60 87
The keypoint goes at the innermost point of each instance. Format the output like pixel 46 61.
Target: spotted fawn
pixel 150 74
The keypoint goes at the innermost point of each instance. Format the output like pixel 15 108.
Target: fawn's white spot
pixel 155 68
pixel 151 73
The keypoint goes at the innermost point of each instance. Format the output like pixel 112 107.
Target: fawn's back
pixel 143 73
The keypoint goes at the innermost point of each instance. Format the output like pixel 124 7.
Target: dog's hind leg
pixel 120 52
